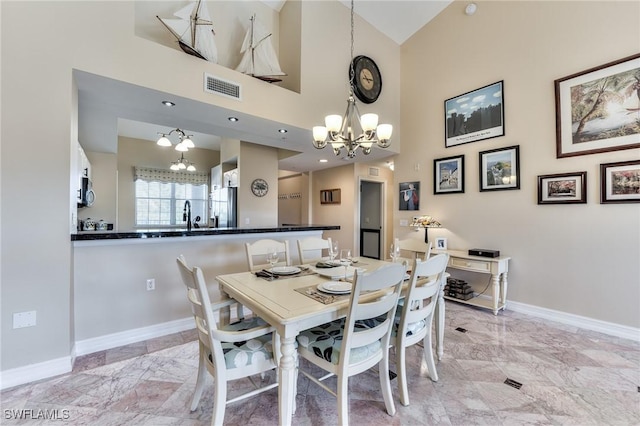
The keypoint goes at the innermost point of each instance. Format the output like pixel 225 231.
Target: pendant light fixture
pixel 182 164
pixel 184 143
pixel 341 132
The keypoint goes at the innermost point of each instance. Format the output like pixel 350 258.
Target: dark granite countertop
pixel 195 232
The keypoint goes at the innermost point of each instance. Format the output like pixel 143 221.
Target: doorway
pixel 371 219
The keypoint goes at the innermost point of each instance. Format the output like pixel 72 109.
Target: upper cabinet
pixel 84 166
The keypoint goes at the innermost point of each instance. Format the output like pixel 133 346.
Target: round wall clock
pixel 259 187
pixel 367 80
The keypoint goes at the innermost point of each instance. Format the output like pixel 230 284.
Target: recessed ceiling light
pixel 168 103
pixel 324 160
pixel 283 130
pixel 233 119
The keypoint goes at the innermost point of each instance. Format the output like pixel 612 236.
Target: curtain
pixel 168 176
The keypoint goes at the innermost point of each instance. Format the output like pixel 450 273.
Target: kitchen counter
pixel 194 232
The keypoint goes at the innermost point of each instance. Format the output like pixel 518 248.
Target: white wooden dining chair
pixel 354 344
pixel 257 253
pixel 227 352
pixel 414 318
pixel 411 249
pixel 313 249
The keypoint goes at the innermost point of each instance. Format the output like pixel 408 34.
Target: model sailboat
pixel 194 30
pixel 259 59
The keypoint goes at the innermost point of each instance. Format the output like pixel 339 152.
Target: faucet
pixel 186 214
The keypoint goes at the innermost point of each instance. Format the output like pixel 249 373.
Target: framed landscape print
pixel 500 169
pixel 598 110
pixel 475 115
pixel 620 182
pixel 448 175
pixel 409 196
pixel 562 188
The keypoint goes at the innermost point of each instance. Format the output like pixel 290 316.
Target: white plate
pixel 286 270
pixel 335 287
pixel 337 272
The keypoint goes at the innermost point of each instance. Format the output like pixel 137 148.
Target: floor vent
pixel 513 383
pixel 461 330
pixel 222 87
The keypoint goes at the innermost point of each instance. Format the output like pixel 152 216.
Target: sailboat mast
pixel 253 49
pixel 194 20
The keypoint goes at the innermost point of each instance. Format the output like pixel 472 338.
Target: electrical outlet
pixel 24 319
pixel 151 284
pixel 247 221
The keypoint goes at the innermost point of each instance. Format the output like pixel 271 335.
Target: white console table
pixel 497 267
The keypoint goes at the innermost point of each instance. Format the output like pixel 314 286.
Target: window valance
pixel 162 175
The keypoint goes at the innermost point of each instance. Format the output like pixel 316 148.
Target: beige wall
pixel 138 152
pixel 257 162
pixel 578 259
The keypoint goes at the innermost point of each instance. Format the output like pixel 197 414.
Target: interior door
pixel 371 219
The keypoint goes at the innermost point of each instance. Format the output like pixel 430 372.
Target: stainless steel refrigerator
pixel 224 207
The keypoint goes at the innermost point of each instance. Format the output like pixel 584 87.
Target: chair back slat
pixel 257 253
pixel 313 249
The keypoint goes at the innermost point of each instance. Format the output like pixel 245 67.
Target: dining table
pixel 298 300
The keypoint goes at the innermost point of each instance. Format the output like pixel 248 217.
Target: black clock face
pixel 259 187
pixel 367 81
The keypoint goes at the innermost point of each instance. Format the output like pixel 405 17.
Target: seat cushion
pixel 253 351
pixel 412 328
pixel 325 341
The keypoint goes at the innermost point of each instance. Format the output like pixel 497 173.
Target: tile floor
pixel 569 376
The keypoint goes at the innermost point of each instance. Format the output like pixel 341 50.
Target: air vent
pixel 229 89
pixel 374 171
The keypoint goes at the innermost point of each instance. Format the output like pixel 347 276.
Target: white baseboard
pixel 109 341
pixel 604 327
pixel 33 372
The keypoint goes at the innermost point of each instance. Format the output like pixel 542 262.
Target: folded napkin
pixel 265 274
pixel 327 264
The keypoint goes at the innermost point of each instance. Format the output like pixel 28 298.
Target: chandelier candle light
pixel 184 144
pixel 340 132
pixel 425 222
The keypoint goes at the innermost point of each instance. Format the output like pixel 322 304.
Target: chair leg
pixel 385 384
pixel 219 402
pixel 428 357
pixel 401 366
pixel 343 400
pixel 200 381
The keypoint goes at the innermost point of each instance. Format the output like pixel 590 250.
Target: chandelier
pixel 182 164
pixel 184 143
pixel 341 132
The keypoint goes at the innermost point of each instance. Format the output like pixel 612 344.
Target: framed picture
pixel 441 244
pixel 598 110
pixel 563 188
pixel 475 115
pixel 448 175
pixel 409 196
pixel 620 182
pixel 500 169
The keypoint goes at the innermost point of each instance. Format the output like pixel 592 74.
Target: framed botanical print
pixel 500 169
pixel 409 196
pixel 562 188
pixel 598 110
pixel 620 182
pixel 475 115
pixel 448 175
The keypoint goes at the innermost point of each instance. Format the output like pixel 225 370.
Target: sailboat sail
pixel 259 58
pixel 194 30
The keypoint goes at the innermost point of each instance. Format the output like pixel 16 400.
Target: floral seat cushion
pixel 325 341
pixel 253 351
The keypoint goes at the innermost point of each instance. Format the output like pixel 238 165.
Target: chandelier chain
pixel 351 70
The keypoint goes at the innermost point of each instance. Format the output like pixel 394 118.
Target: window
pixel 160 197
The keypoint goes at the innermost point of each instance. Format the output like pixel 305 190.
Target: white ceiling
pixel 137 112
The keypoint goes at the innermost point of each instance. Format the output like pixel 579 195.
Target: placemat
pixel 313 292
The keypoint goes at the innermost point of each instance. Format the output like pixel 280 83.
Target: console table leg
pixel 503 291
pixel 440 322
pixel 495 293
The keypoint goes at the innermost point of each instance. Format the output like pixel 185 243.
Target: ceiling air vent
pixel 374 171
pixel 222 87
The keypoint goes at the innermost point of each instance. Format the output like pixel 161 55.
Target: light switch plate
pixel 24 319
pixel 404 222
